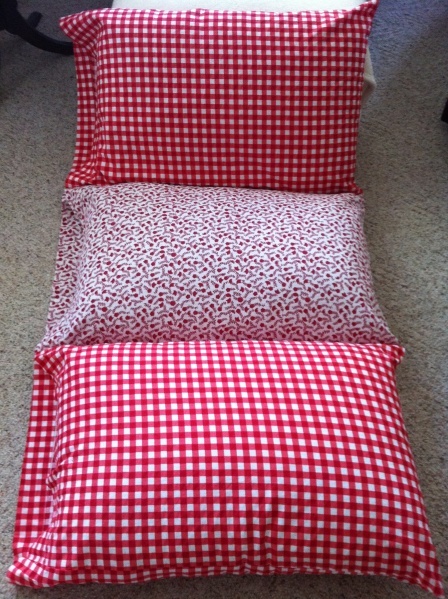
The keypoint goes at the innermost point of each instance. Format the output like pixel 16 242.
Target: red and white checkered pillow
pixel 146 461
pixel 225 98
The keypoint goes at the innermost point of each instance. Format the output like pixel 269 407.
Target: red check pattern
pixel 224 98
pixel 204 458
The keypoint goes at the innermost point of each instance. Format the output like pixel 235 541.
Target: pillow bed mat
pixel 148 461
pixel 244 453
pixel 155 262
pixel 224 98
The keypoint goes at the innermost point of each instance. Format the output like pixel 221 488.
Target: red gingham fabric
pixel 146 461
pixel 224 98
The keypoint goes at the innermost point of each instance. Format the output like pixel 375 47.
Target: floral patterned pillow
pixel 155 262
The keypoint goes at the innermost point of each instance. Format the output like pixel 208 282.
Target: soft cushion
pixel 207 97
pixel 265 5
pixel 160 460
pixel 369 83
pixel 154 262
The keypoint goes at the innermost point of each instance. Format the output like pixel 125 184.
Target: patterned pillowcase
pixel 161 460
pixel 154 262
pixel 226 98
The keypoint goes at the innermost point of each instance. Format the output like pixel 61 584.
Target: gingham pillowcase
pixel 196 459
pixel 225 98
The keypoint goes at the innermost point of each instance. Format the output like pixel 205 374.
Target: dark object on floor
pixel 13 22
pixel 445 113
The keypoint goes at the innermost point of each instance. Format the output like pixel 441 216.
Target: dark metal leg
pixel 13 22
pixel 34 19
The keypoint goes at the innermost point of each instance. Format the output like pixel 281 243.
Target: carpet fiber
pixel 403 168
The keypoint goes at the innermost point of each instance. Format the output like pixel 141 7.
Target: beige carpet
pixel 403 167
